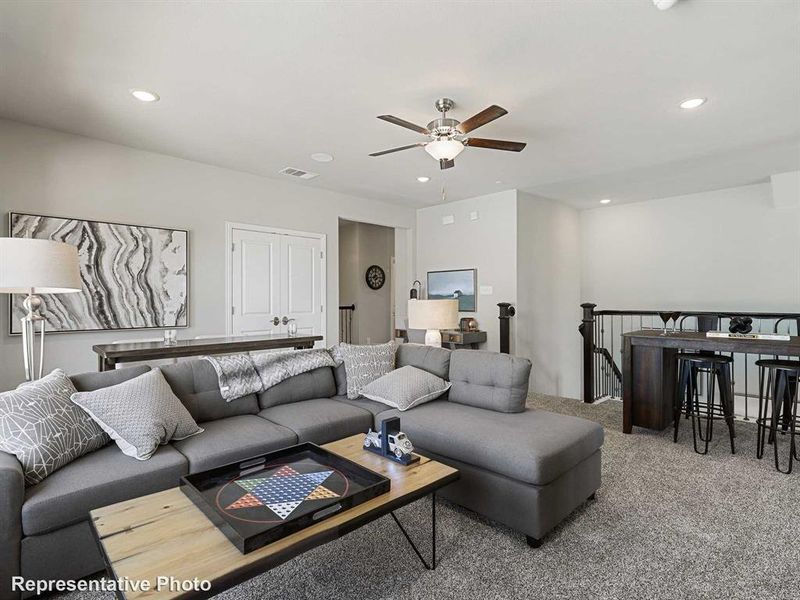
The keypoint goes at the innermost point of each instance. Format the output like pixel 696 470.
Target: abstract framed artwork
pixel 460 284
pixel 134 277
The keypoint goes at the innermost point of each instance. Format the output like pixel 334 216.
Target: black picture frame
pixel 467 302
pixel 187 287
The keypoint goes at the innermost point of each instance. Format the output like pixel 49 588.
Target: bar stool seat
pixel 717 367
pixel 782 375
pixel 704 358
pixel 784 365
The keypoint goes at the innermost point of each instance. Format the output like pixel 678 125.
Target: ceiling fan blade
pixel 382 152
pixel 403 123
pixel 495 144
pixel 446 164
pixel 482 118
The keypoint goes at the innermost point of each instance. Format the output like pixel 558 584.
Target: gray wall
pixel 48 172
pixel 488 243
pixel 729 249
pixel 548 288
pixel 360 246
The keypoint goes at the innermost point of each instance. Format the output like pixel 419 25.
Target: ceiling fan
pixel 447 136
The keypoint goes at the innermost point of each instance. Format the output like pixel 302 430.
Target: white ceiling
pixel 592 87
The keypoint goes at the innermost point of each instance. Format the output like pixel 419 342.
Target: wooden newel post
pixel 587 331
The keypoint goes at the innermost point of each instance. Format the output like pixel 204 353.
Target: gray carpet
pixel 667 523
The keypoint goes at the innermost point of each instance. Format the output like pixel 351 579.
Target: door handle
pixel 285 320
pixel 276 321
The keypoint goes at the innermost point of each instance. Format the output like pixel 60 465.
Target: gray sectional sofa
pixel 526 468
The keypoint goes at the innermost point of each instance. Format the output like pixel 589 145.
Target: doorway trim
pixel 323 237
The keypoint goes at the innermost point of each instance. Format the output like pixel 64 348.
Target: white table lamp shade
pixel 38 267
pixel 432 314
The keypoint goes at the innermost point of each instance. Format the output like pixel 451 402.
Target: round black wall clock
pixel 375 277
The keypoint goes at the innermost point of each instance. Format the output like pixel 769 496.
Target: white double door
pixel 276 277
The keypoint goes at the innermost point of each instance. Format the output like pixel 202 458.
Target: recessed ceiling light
pixel 321 157
pixel 605 201
pixel 145 96
pixel 693 102
pixel 423 179
pixel 498 182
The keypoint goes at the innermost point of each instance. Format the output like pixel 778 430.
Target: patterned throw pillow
pixel 364 364
pixel 43 429
pixel 274 367
pixel 139 414
pixel 406 388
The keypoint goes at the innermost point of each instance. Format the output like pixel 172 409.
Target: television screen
pixel 460 284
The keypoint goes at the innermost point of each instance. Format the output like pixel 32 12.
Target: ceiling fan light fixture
pixel 444 149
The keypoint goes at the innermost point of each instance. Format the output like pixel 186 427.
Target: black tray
pixel 263 499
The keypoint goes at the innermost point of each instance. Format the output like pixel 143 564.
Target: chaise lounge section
pixel 525 468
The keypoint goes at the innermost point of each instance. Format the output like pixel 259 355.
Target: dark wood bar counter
pixel 649 369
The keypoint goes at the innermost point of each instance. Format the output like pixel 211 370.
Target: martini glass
pixel 676 314
pixel 665 316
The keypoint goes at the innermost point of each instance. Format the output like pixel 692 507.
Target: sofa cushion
pixel 364 404
pixel 318 383
pixel 103 477
pixel 489 380
pixel 340 376
pixel 428 358
pixel 233 439
pixel 88 382
pixel 339 371
pixel 320 420
pixel 534 446
pixel 195 382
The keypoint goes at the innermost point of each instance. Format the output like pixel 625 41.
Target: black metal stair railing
pixel 602 332
pixel 346 323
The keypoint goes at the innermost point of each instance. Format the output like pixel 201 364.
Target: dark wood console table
pixel 649 370
pixel 455 338
pixel 109 355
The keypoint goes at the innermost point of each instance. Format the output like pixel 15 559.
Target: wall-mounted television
pixel 459 283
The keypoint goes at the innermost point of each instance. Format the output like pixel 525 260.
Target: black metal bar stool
pixel 705 323
pixel 687 396
pixel 782 394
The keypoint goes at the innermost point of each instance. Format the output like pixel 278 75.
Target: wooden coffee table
pixel 166 535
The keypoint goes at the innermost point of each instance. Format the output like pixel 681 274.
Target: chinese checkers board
pixel 260 500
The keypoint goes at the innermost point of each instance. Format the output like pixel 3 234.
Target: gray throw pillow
pixel 139 414
pixel 406 388
pixel 274 367
pixel 43 429
pixel 364 364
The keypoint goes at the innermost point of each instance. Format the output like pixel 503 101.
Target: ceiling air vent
pixel 299 173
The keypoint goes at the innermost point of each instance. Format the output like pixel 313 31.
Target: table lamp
pixel 33 267
pixel 432 315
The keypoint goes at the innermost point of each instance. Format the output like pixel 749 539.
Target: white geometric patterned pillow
pixel 406 388
pixel 43 429
pixel 336 354
pixel 139 414
pixel 364 364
